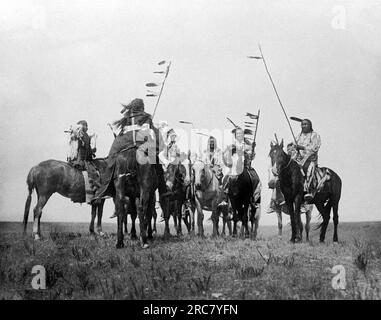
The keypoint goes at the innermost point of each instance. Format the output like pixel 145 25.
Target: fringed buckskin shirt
pixel 311 141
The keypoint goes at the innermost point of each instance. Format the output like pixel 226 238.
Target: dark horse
pixel 240 192
pixel 51 176
pixel 135 178
pixel 291 184
pixel 177 183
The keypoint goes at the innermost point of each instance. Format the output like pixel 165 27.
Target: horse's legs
pixel 134 214
pixel 185 212
pixel 290 206
pixel 119 209
pixel 154 215
pixel 307 227
pixel 335 207
pixel 215 220
pixel 99 216
pixel 166 213
pixel 174 215
pixel 151 207
pixel 280 225
pixel 200 219
pixel 93 215
pixel 192 222
pixel 178 212
pixel 244 221
pixel 224 221
pixel 256 217
pixel 298 219
pixel 144 204
pixel 37 214
pixel 325 211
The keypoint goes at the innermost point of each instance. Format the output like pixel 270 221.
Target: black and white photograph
pixel 190 150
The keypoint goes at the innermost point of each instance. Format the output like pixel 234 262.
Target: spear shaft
pixel 276 92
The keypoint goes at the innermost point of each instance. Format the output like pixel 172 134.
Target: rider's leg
pixel 309 188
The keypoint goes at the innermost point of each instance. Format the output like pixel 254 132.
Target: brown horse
pixel 51 176
pixel 291 184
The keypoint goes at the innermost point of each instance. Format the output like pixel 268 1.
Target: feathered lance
pixel 162 86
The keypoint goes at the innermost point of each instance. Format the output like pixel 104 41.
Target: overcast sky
pixel 62 61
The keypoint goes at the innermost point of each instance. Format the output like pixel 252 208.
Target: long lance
pixel 161 90
pixel 276 92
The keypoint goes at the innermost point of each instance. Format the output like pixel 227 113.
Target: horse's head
pixel 279 158
pixel 174 175
pixel 199 173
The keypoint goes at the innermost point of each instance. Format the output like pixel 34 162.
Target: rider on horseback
pixel 213 157
pixel 171 152
pixel 237 157
pixel 83 158
pixel 308 144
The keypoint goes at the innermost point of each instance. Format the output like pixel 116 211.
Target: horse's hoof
pixel 101 233
pixel 37 237
pixel 134 237
pixel 145 246
pixel 120 245
pixel 335 240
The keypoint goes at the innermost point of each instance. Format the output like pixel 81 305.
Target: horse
pixel 291 184
pixel 207 194
pixel 51 176
pixel 305 208
pixel 135 177
pixel 240 192
pixel 176 182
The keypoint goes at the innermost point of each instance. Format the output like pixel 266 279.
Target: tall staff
pixel 162 86
pixel 276 92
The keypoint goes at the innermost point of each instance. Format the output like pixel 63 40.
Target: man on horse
pixel 238 156
pixel 82 159
pixel 137 131
pixel 213 157
pixel 306 155
pixel 171 151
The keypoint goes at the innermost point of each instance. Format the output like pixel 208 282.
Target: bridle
pixel 284 168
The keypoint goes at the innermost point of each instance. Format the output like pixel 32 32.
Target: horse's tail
pixel 31 185
pixel 324 215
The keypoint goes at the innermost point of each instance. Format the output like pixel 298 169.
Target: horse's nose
pixel 186 181
pixel 198 186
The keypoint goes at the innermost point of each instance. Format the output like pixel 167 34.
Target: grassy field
pixel 81 266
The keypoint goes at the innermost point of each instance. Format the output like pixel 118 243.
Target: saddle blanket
pixel 321 176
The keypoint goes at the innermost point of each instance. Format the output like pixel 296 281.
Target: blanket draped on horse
pixel 148 143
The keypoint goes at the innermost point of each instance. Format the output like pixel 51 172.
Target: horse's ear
pixel 281 144
pixel 271 145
